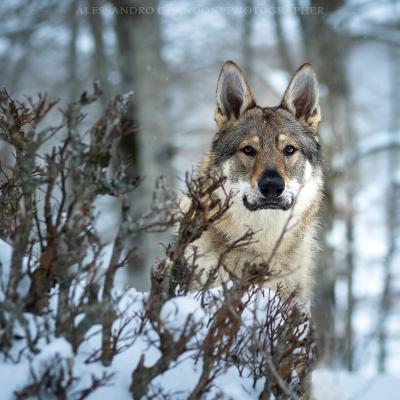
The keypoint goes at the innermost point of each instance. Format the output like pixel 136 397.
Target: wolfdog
pixel 271 159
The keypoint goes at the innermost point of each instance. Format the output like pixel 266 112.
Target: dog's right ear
pixel 301 98
pixel 233 95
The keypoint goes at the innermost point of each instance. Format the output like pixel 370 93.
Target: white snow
pixel 181 314
pixel 341 385
pixel 178 315
pixel 5 262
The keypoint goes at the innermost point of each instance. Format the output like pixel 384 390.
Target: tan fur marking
pixel 281 165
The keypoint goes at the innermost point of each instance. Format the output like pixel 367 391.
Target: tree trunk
pixel 155 137
pixel 326 50
pixel 280 38
pixel 99 60
pixel 392 212
pixel 351 190
pixel 247 52
pixel 72 57
pixel 143 69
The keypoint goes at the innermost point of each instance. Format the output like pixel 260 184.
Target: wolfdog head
pixel 268 154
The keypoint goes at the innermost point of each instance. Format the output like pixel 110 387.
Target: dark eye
pixel 289 150
pixel 249 151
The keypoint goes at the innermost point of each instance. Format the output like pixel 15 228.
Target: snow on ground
pixel 5 261
pixel 178 315
pixel 341 385
pixel 179 380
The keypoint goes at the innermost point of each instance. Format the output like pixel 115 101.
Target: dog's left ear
pixel 302 96
pixel 233 94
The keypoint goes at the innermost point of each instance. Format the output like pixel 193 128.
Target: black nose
pixel 271 185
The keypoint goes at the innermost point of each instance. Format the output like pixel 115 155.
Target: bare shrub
pixel 59 283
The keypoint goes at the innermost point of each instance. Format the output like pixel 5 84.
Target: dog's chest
pixel 270 227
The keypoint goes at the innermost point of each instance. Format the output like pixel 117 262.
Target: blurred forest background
pixel 169 52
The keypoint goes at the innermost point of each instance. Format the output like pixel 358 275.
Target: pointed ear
pixel 233 94
pixel 302 96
